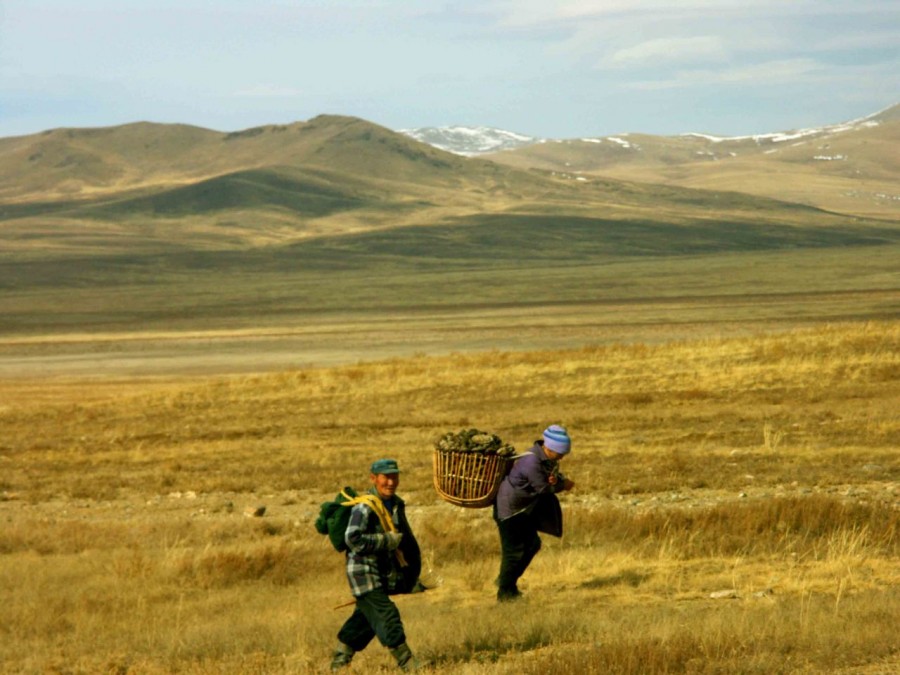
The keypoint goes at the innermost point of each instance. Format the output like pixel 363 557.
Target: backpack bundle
pixel 334 518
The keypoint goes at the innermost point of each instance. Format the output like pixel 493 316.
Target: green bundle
pixel 475 441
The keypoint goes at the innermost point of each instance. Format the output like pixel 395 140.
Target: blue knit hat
pixel 385 466
pixel 556 438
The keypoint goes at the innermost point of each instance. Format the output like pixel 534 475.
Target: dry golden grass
pixel 764 466
pixel 795 182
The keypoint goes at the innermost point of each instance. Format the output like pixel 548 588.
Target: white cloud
pixel 539 12
pixel 772 72
pixel 586 8
pixel 871 39
pixel 673 49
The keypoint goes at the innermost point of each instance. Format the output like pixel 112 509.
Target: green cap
pixel 385 466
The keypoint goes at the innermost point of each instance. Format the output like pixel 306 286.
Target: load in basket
pixel 469 466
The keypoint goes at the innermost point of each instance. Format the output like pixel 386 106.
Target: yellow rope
pixel 380 510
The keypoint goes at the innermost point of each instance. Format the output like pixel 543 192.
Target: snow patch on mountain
pixel 620 141
pixel 781 137
pixel 469 141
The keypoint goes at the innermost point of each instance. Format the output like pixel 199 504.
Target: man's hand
pixel 393 539
pixel 568 484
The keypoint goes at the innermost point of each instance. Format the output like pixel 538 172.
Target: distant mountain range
pixel 850 167
pixel 171 188
pixel 481 140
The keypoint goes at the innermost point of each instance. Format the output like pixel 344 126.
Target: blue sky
pixel 563 69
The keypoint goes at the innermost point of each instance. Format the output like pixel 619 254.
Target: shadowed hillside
pixel 149 188
pixel 851 168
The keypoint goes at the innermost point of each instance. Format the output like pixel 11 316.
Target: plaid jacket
pixel 370 564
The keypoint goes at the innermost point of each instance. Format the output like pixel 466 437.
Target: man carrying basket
pixel 526 504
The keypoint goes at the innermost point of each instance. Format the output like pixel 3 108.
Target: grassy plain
pixel 140 318
pixel 762 466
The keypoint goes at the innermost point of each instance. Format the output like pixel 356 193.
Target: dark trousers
pixel 375 615
pixel 519 543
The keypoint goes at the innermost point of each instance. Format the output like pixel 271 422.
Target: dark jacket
pixel 527 481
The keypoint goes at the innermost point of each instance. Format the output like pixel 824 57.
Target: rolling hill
pixel 85 163
pixel 850 168
pixel 148 189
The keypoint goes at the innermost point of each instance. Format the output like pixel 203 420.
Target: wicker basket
pixel 469 479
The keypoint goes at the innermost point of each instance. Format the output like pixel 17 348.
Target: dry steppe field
pixel 736 510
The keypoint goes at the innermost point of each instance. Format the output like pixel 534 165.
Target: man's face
pixel 385 484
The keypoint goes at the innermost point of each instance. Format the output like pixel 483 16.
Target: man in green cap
pixel 383 559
